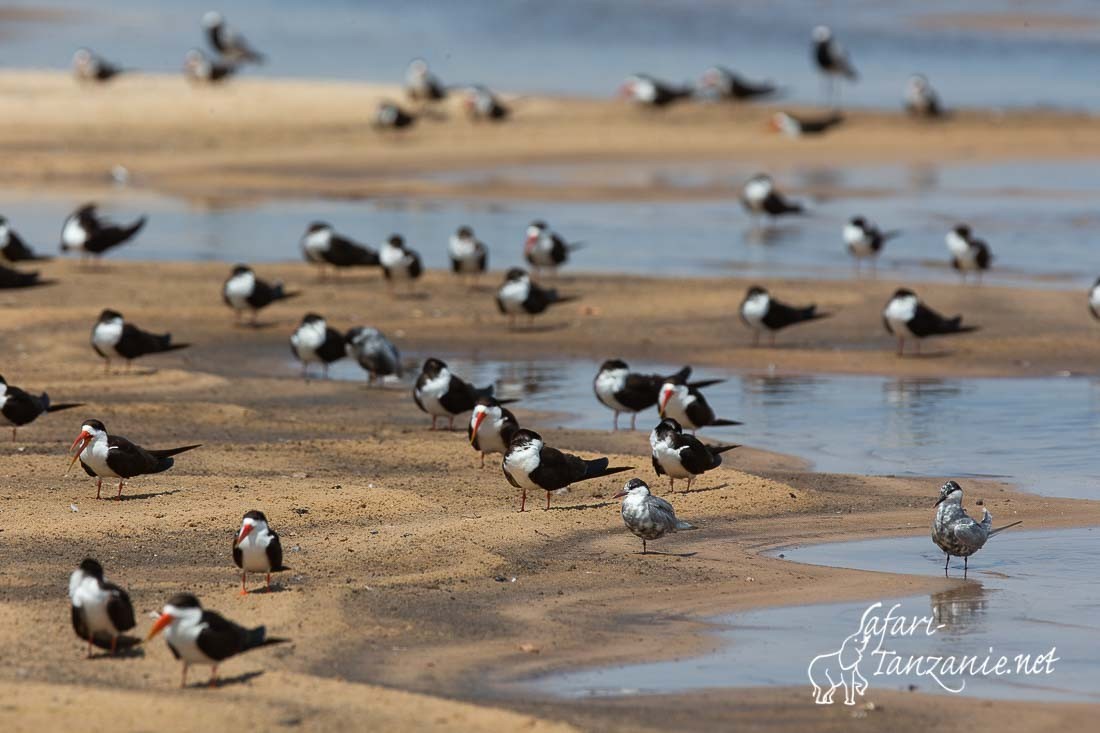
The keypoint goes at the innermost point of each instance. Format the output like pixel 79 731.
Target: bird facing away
pixel 257 549
pixel 19 408
pixel 101 611
pixel 968 253
pixel 112 456
pixel 682 456
pixel 197 636
pixel 956 532
pixel 647 516
pixel 905 315
pixel 374 352
pixel 113 337
pixel 530 464
pixel 243 291
pixel 469 256
pixel 761 312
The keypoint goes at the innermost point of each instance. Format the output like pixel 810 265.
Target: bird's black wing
pixel 640 391
pixel 119 608
pixel 275 552
pixel 129 459
pixel 694 456
pixel 556 470
pixel 221 638
pixel 20 407
pixel 343 252
pixel 134 342
pixel 780 315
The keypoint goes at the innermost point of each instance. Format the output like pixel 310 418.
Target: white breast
pixel 520 463
pixel 254 551
pixel 184 639
pixel 756 191
pixel 4 236
pixel 307 339
pixel 433 390
pixel 395 260
pixel 899 312
pixel 107 333
pixel 541 252
pixel 73 233
pixel 1094 299
pixel 956 244
pixel 753 311
pixel 677 406
pixel 462 249
pixel 669 459
pixel 239 288
pixel 857 240
pixel 607 384
pixel 491 441
pixel 94 456
pixel 513 294
pixel 90 598
pixel 316 243
pixel 644 90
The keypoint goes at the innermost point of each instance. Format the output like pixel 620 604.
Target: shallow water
pixel 1026 592
pixel 588 46
pixel 1037 217
pixel 1037 433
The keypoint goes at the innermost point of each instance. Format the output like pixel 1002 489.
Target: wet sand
pixel 257 137
pixel 395 537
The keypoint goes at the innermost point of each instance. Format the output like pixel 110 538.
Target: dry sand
pixel 257 137
pixel 395 538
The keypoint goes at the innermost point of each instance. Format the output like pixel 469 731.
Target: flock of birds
pixel 102 613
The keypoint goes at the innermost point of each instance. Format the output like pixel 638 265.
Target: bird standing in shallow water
pixel 648 517
pixel 956 532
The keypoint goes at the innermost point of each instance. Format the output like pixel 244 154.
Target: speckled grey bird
pixel 648 517
pixel 956 532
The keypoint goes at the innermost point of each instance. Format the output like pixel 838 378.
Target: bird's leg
pixel 119 496
pixel 98 487
pixel 614 422
pixel 901 345
pixel 755 338
pixel 690 479
pixel 434 418
pixel 547 501
pixel 633 417
pixel 671 485
pixel 214 676
pixel 244 589
pixel 643 547
pixel 451 423
pixel 523 502
pixel 183 679
pixel 89 646
pixel 946 563
pixel 483 459
pixel 13 434
pixel 114 645
pixel 269 582
pixel 966 565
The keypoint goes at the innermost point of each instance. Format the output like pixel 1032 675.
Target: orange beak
pixel 245 530
pixel 773 124
pixel 478 419
pixel 159 625
pixel 78 447
pixel 665 397
pixel 530 244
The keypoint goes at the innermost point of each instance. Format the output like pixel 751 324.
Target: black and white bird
pixel 1094 300
pixel 546 248
pixel 198 68
pixel 227 41
pixel 399 263
pixel 761 312
pixel 687 405
pixel 921 99
pixel 760 196
pixel 101 611
pixel 648 91
pixel 322 246
pixel 531 465
pixel 89 66
pixel 314 341
pixel 112 456
pixel 968 253
pixel 113 337
pixel 832 61
pixel 491 427
pixel 19 408
pixel 956 532
pixel 519 295
pixel 440 393
pixel 11 279
pixel 622 390
pixel 677 455
pixel 792 126
pixel 257 549
pixel 86 232
pixel 469 256
pixel 374 352
pixel 390 116
pixel 197 636
pixel 906 316
pixel 12 246
pixel 647 516
pixel 421 85
pixel 865 240
pixel 719 82
pixel 243 291
pixel 484 106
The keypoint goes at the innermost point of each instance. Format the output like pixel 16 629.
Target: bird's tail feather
pixel 719 421
pixel 716 449
pixel 1002 529
pixel 598 467
pixel 61 405
pixel 681 525
pixel 258 637
pixel 705 383
pixel 168 452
